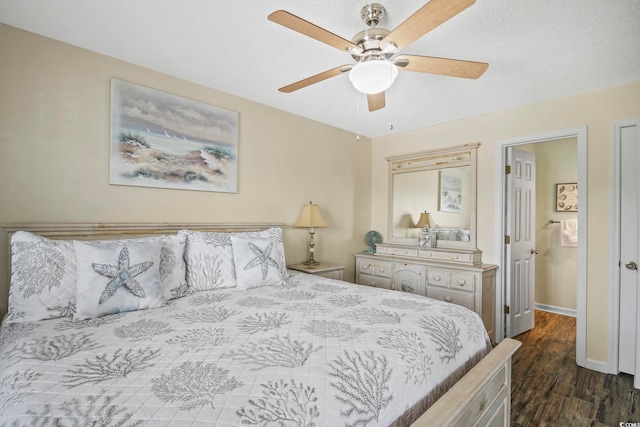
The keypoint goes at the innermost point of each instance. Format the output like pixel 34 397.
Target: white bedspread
pixel 314 351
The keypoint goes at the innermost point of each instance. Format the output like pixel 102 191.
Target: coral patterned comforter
pixel 311 352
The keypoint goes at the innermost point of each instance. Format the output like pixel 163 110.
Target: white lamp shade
pixel 373 76
pixel 310 217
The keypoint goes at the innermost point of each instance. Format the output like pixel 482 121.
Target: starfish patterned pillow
pixel 209 257
pixel 118 276
pixel 43 278
pixel 256 261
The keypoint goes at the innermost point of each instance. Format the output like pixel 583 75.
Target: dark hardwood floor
pixel 549 389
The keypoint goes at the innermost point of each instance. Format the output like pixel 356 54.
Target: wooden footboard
pixel 481 398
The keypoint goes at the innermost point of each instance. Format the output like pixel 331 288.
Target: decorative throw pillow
pixel 173 268
pixel 209 257
pixel 43 278
pixel 276 233
pixel 255 260
pixel 209 260
pixel 117 276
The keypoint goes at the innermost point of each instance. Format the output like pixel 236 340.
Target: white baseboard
pixel 596 365
pixel 557 310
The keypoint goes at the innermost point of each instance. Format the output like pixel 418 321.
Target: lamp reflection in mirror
pixel 373 76
pixel 311 218
pixel 428 236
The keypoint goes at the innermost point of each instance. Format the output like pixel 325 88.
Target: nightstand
pixel 332 271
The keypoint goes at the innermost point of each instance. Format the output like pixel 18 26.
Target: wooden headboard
pixel 100 232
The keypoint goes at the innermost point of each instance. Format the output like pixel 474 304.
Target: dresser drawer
pixel 445 256
pixel 462 281
pixel 375 268
pixel 464 299
pixel 437 277
pixel 374 281
pixel 409 252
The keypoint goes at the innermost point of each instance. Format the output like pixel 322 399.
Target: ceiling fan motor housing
pixel 369 41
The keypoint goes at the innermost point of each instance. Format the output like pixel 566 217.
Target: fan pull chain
pixel 389 108
pixel 357 116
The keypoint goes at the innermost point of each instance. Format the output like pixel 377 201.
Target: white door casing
pixel 519 252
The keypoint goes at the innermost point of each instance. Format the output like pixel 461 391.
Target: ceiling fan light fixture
pixel 373 76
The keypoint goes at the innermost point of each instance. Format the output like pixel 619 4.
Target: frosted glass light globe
pixel 373 76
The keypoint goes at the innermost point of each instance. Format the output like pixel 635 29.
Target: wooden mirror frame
pixel 437 159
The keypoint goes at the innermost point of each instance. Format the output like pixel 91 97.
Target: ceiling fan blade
pixel 424 20
pixel 442 66
pixel 376 101
pixel 315 79
pixel 295 23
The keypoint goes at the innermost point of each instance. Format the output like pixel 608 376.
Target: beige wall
pixel 556 265
pixel 54 165
pixel 596 110
pixel 54 136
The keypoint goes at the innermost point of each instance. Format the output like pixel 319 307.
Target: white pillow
pixel 43 278
pixel 209 257
pixel 255 260
pixel 209 260
pixel 173 268
pixel 117 276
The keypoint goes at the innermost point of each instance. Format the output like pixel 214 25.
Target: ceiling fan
pixel 374 49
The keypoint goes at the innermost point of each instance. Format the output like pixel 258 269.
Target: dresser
pixel 452 276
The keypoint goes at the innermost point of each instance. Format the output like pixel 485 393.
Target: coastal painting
pixel 450 192
pixel 163 140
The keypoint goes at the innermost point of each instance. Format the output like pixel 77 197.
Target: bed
pixel 275 347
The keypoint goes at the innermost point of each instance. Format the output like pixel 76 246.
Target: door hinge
pixel 507 240
pixel 506 309
pixel 507 169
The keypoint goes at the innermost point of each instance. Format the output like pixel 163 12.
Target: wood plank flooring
pixel 549 389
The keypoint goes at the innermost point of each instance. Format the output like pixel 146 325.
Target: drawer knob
pixel 455 257
pixel 372 284
pixel 366 267
pixel 436 278
pixel 448 298
pixel 461 282
pixel 428 254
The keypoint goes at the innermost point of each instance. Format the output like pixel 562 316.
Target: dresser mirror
pixel 441 182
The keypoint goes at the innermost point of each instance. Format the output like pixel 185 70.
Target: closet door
pixel 629 159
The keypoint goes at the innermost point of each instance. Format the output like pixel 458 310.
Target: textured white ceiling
pixel 536 50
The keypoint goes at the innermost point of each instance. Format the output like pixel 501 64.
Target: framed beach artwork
pixel 166 141
pixel 450 192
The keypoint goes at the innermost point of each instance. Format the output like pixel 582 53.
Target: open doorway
pixel 579 136
pixel 556 254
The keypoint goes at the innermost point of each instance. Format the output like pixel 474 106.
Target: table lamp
pixel 311 218
pixel 427 223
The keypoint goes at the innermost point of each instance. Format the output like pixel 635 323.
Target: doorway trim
pixel 614 244
pixel 500 221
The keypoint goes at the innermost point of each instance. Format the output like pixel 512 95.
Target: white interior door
pixel 519 252
pixel 629 159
